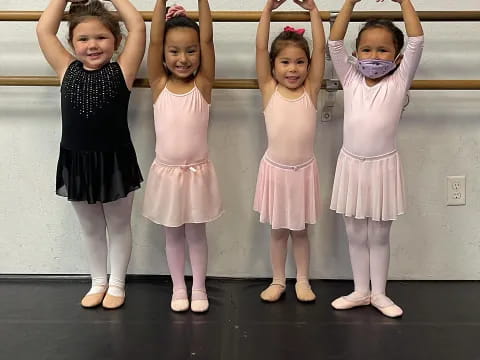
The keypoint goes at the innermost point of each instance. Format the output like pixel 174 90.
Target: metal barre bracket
pixel 332 86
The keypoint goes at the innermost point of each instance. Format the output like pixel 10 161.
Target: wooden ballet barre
pixel 282 16
pixel 242 83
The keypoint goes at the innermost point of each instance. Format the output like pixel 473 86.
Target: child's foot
pixel 114 298
pixel 179 301
pixel 386 306
pixel 273 293
pixel 304 291
pixel 94 297
pixel 352 300
pixel 199 301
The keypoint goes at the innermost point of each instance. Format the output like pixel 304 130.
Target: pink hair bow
pixel 292 29
pixel 174 11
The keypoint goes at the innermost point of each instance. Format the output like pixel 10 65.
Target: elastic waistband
pixel 288 167
pixel 190 166
pixel 376 157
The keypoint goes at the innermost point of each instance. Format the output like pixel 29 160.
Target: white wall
pixel 439 136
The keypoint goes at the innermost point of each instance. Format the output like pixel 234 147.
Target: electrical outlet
pixel 456 194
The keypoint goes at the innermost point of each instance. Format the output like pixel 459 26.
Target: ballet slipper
pixel 111 302
pixel 351 301
pixel 92 300
pixel 179 305
pixel 179 301
pixel 201 304
pixel 273 293
pixel 386 306
pixel 304 292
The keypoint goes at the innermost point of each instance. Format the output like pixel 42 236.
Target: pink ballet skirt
pixel 287 197
pixel 370 187
pixel 180 194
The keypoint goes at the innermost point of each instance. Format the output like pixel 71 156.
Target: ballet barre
pixel 284 16
pixel 245 83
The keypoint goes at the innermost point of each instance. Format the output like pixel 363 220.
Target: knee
pixel 119 225
pixel 279 235
pixel 93 228
pixel 196 233
pixel 299 235
pixel 379 233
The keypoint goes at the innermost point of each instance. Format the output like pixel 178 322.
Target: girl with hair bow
pixel 182 192
pixel 287 192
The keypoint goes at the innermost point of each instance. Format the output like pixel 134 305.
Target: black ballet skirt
pixel 97 161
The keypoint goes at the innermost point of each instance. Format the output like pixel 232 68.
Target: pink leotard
pixel 291 125
pixel 181 127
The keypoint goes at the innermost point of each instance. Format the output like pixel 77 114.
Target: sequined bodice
pixel 94 108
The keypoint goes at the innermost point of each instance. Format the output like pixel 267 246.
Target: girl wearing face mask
pixel 368 189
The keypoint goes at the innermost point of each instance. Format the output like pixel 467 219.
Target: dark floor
pixel 43 320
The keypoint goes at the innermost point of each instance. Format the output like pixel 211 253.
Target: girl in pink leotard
pixel 287 194
pixel 368 187
pixel 182 190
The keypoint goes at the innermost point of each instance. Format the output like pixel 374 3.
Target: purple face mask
pixel 374 68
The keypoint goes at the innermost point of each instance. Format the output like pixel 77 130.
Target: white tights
pixel 369 246
pixel 94 220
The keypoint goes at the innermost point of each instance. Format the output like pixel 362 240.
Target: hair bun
pixel 175 11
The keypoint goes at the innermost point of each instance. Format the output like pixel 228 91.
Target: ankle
pixel 199 294
pixel 99 285
pixel 278 281
pixel 302 279
pixel 179 294
pixel 115 290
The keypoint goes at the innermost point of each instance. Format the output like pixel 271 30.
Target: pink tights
pixel 196 238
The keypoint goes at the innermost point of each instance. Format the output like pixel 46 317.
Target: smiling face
pixel 93 43
pixel 376 43
pixel 182 52
pixel 291 67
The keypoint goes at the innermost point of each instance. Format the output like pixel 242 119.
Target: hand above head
pixel 397 1
pixel 306 4
pixel 274 4
pixel 353 2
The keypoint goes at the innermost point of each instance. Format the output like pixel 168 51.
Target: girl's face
pixel 291 67
pixel 93 44
pixel 182 52
pixel 376 44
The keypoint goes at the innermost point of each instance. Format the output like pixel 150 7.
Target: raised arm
pixel 156 70
pixel 410 17
pixel 339 28
pixel 317 64
pixel 264 70
pixel 56 55
pixel 206 73
pixel 132 54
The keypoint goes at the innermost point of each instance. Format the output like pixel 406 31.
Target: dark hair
pixel 181 21
pixel 397 34
pixel 284 39
pixel 94 9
